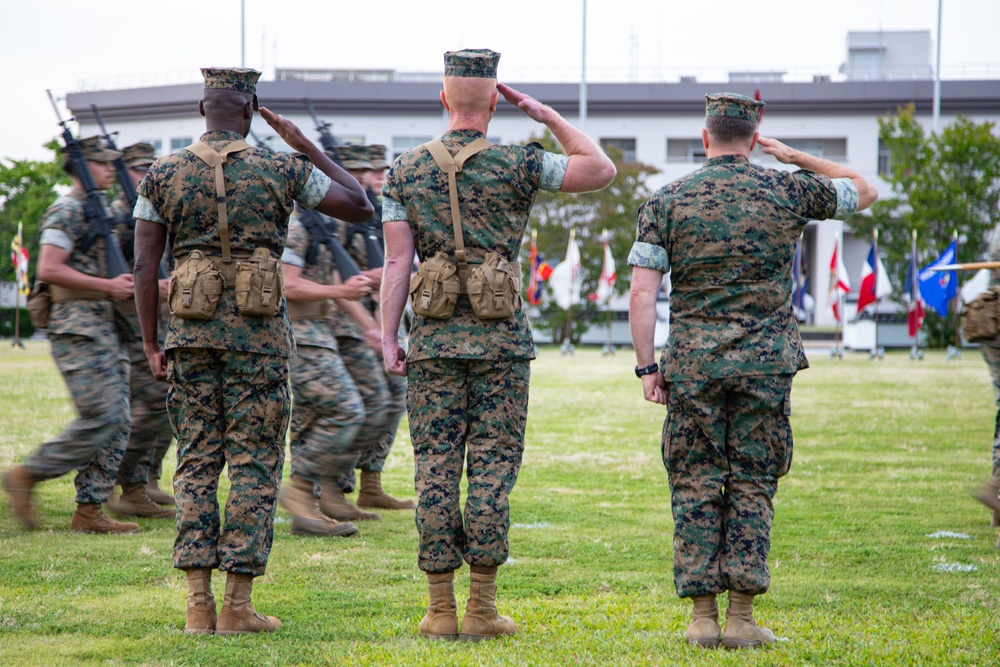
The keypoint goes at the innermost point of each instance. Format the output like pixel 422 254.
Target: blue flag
pixel 800 281
pixel 937 288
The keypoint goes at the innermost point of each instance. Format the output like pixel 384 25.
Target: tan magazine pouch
pixel 196 286
pixel 981 317
pixel 435 287
pixel 493 287
pixel 260 283
pixel 39 305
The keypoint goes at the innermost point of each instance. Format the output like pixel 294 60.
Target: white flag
pixel 565 281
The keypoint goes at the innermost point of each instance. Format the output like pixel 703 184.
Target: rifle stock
pixel 94 207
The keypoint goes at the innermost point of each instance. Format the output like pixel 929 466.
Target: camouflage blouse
pixel 496 188
pixel 727 234
pixel 261 188
pixel 65 226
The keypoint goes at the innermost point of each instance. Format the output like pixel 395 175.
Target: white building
pixel 655 123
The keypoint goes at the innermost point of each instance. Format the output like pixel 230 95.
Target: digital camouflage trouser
pixel 991 354
pixel 725 444
pixel 96 375
pixel 368 373
pixel 327 412
pixel 227 408
pixel 465 414
pixel 151 435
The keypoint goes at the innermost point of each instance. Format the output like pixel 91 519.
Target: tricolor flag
pixel 915 309
pixel 938 288
pixel 874 282
pixel 19 258
pixel 839 282
pixel 540 272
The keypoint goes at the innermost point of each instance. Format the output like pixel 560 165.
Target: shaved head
pixel 470 95
pixel 225 103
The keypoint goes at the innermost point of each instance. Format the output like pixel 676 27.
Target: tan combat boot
pixel 201 614
pixel 18 482
pixel 89 518
pixel 372 495
pixel 157 495
pixel 135 502
pixel 741 630
pixel 335 505
pixel 307 519
pixel 704 630
pixel 989 495
pixel 441 620
pixel 481 620
pixel 238 615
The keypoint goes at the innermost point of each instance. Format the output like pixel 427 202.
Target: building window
pixel 624 146
pixel 884 159
pixel 157 144
pixel 179 143
pixel 350 140
pixel 685 151
pixel 402 144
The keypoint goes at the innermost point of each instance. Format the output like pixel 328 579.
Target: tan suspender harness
pixel 493 286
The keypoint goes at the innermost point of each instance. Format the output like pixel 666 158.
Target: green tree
pixel 27 188
pixel 612 209
pixel 941 183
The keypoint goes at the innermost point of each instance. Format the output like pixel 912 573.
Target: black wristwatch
pixel 646 370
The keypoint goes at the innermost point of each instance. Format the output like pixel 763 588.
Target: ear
pixel 753 142
pixel 248 111
pixel 493 102
pixel 704 138
pixel 201 107
pixel 444 101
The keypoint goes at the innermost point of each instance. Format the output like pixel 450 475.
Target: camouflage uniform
pixel 92 359
pixel 726 233
pixel 228 398
pixel 373 442
pixel 991 353
pixel 467 393
pixel 328 410
pixel 150 436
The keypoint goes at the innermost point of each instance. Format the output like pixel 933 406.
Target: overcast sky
pixel 66 46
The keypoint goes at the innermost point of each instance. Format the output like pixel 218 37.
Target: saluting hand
pixel 286 129
pixel 781 152
pixel 535 110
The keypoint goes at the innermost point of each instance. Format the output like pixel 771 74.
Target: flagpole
pixel 568 342
pixel 915 352
pixel 956 303
pixel 875 350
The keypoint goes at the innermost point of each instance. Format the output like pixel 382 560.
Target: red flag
pixel 839 283
pixel 539 272
pixel 874 283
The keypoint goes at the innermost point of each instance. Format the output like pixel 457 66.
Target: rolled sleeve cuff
pixel 554 168
pixel 649 256
pixel 292 258
pixel 315 189
pixel 847 197
pixel 392 210
pixel 144 211
pixel 58 238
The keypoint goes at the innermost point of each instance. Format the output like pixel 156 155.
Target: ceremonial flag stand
pixel 915 312
pixel 955 351
pixel 877 352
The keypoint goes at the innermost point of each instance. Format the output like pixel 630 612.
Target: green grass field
pixel 885 453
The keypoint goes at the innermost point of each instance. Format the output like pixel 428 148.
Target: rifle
pixel 325 136
pixel 260 142
pixel 124 180
pixel 321 231
pixel 94 207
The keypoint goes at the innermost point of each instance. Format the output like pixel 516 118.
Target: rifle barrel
pixel 969 266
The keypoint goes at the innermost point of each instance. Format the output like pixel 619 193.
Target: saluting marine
pixel 225 206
